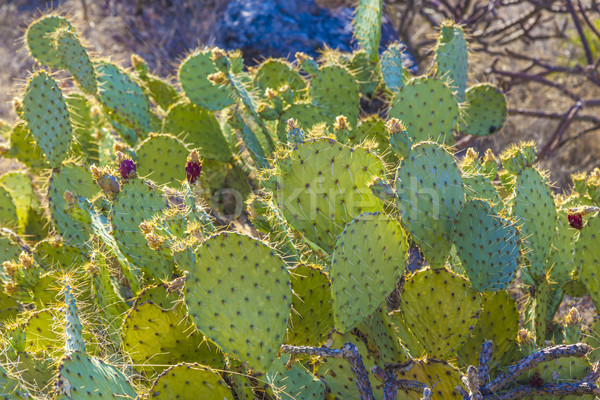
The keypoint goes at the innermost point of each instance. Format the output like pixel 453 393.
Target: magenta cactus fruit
pixel 127 168
pixel 193 167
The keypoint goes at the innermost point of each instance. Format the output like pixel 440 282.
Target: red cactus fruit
pixel 576 221
pixel 127 168
pixel 193 167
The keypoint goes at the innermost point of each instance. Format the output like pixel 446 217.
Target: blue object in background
pixel 280 28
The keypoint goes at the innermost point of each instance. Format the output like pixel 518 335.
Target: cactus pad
pixel 40 41
pixel 116 88
pixel 440 309
pixel 391 67
pixel 323 185
pixel 479 187
pixel 83 377
pixel 367 26
pixel 136 203
pixel 430 195
pixel 306 115
pixel 275 74
pixel 239 295
pixel 312 318
pixel 368 259
pixel 154 337
pixel 24 148
pixel 162 158
pixel 75 59
pixel 335 91
pixel 188 381
pixel 45 110
pixel 428 109
pixel 486 110
pixel 440 376
pixel 198 128
pixel 193 74
pixel 78 180
pixel 535 212
pixel 8 210
pixel 451 57
pixel 293 383
pixel 488 246
pixel 587 257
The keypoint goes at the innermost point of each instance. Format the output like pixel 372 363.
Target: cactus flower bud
pixel 399 139
pixel 193 167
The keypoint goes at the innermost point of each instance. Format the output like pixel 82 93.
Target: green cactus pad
pixel 373 128
pixel 486 110
pixel 560 264
pixel 24 148
pixel 498 322
pixel 239 295
pixel 8 210
pixel 138 202
pixel 451 57
pixel 479 187
pixel 162 158
pixel 75 59
pixel 407 338
pixel 116 88
pixel 367 26
pixel 368 259
pixel 9 308
pixel 335 91
pixel 188 381
pixel 10 388
pixel 535 212
pixel 293 383
pixel 52 255
pixel 159 90
pixel 20 187
pixel 45 110
pixel 84 377
pixel 430 195
pixel 77 180
pixel 366 72
pixel 40 41
pixel 312 318
pixel 193 74
pixel 306 115
pixel 488 246
pixel 198 128
pixel 587 257
pixel 392 70
pixel 440 309
pixel 324 185
pixel 441 377
pixel 277 73
pixel 36 373
pixel 41 333
pixel 382 338
pixel 154 337
pixel 427 108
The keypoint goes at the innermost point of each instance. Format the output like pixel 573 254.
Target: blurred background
pixel 544 54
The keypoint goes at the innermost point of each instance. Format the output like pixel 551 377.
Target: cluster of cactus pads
pixel 125 276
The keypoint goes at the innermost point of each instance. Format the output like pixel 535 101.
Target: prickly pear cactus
pixel 368 259
pixel 238 284
pixel 451 57
pixel 486 110
pixel 161 158
pixel 430 195
pixel 187 381
pixel 323 185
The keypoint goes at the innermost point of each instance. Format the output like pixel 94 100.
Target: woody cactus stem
pixel 350 353
pixel 391 384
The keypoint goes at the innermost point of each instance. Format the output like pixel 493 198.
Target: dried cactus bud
pixel 287 94
pixel 301 57
pixel 155 242
pixel 295 135
pixel 526 341
pixel 341 129
pixel 69 197
pixel 573 317
pixel 18 106
pixel 26 260
pixel 580 182
pixel 10 267
pixel 146 227
pixel 218 78
pixel 270 93
pixel 572 327
pixel 10 288
pixel 193 167
pixel 139 64
pixel 490 164
pixel 105 178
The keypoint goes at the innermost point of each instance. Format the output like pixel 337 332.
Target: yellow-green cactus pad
pixel 324 185
pixel 162 158
pixel 451 57
pixel 428 109
pixel 312 318
pixel 40 41
pixel 277 73
pixel 188 382
pixel 155 337
pixel 47 116
pixel 498 322
pixel 8 210
pixel 430 195
pixel 335 91
pixel 367 26
pixel 368 259
pixel 440 376
pixel 440 309
pixel 587 257
pixel 239 295
pixel 198 128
